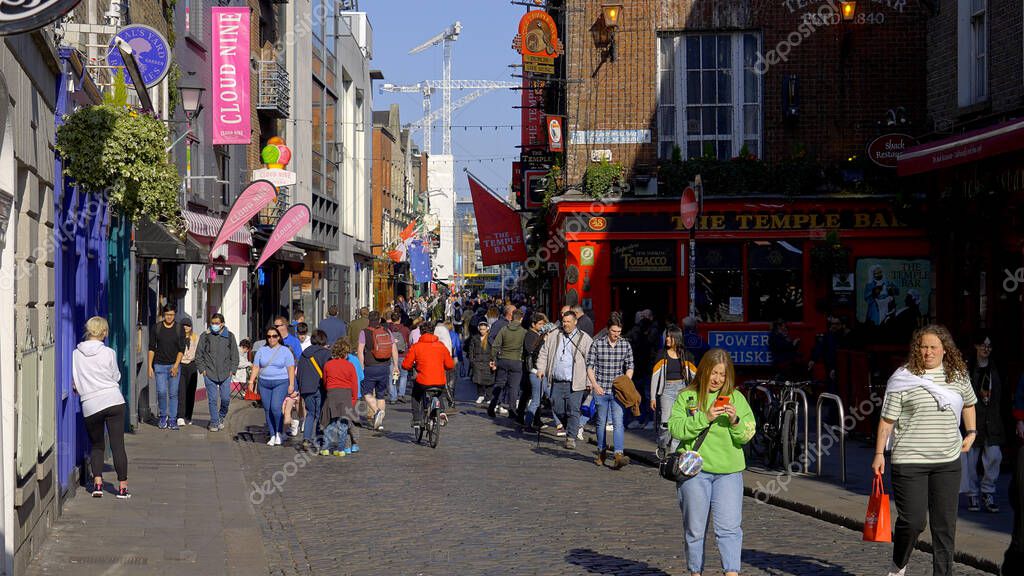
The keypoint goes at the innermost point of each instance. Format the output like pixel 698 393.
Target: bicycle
pixel 777 440
pixel 432 418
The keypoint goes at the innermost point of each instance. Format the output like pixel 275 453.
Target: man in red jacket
pixel 431 358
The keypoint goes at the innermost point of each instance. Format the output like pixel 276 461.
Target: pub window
pixel 776 281
pixel 719 282
pixel 709 95
pixel 972 52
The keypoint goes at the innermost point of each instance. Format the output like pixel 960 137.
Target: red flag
pixel 498 226
pixel 290 224
pixel 408 232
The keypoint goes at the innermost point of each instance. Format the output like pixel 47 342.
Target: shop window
pixel 776 281
pixel 719 282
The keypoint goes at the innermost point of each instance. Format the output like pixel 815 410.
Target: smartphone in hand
pixel 722 402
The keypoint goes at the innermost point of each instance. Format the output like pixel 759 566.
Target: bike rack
pixel 807 428
pixel 842 433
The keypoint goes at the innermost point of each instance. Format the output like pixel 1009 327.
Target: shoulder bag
pixel 681 466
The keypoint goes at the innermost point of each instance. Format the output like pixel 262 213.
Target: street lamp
pixel 610 14
pixel 191 100
pixel 849 10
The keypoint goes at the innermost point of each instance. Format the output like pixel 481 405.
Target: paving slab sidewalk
pixel 981 539
pixel 189 512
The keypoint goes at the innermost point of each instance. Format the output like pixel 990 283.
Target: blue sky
pixel 482 52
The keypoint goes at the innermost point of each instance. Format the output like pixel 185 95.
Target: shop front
pixel 219 285
pixel 975 182
pixel 758 260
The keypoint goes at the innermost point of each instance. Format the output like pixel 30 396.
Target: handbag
pixel 681 466
pixel 876 522
pixel 254 394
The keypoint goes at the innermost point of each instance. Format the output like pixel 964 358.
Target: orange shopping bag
pixel 876 523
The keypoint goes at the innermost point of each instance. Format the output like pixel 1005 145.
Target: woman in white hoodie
pixel 97 379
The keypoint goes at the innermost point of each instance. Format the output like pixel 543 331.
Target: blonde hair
pixel 701 382
pixel 96 328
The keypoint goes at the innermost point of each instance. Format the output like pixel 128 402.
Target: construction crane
pixel 446 39
pixel 427 89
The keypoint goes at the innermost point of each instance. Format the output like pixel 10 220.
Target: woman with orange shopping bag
pixel 877 527
pixel 924 402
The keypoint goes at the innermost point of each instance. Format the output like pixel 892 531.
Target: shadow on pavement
pixel 597 563
pixel 792 564
pixel 563 453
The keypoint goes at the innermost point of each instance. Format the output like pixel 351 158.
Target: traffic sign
pixel 688 207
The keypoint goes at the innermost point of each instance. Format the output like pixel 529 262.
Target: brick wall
pixel 849 74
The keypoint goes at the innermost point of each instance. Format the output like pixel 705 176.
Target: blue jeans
pixel 166 391
pixel 336 434
pixel 606 403
pixel 722 494
pixel 313 402
pixel 272 395
pixel 395 391
pixel 665 403
pixel 218 391
pixel 540 387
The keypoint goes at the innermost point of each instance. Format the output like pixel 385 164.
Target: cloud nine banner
pixel 230 58
pixel 498 226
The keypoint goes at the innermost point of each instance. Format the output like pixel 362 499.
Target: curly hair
pixel 952 361
pixel 341 348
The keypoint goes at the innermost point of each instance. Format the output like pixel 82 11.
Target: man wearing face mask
pixel 217 361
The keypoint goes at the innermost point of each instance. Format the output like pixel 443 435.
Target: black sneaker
pixel 97 491
pixel 972 503
pixel 123 494
pixel 989 502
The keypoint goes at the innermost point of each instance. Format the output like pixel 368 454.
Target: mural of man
pixel 880 294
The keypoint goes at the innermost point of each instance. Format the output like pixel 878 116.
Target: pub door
pixel 634 295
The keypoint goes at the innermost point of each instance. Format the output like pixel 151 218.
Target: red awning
pixel 964 148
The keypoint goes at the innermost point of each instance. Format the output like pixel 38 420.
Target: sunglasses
pixel 273 336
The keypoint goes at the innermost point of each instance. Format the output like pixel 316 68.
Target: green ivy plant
pixel 114 149
pixel 599 178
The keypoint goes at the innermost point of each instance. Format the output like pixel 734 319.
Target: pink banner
pixel 231 117
pixel 256 196
pixel 290 224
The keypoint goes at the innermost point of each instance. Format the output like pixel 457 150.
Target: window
pixel 223 173
pixel 709 95
pixel 720 282
pixel 776 281
pixel 195 19
pixel 972 52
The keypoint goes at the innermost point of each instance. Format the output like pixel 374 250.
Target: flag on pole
pixel 419 261
pixel 404 239
pixel 499 226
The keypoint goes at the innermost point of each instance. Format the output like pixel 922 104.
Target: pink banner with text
pixel 291 223
pixel 256 196
pixel 230 58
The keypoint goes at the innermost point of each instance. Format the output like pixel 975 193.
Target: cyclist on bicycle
pixel 431 359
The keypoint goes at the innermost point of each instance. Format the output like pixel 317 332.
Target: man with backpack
pixel 378 353
pixel 400 333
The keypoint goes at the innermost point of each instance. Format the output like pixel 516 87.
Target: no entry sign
pixel 688 208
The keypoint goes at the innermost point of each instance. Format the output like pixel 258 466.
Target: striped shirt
pixel 923 434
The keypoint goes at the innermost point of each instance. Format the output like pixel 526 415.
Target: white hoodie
pixel 96 376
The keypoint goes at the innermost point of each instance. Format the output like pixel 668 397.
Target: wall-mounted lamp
pixel 604 29
pixel 849 10
pixel 191 101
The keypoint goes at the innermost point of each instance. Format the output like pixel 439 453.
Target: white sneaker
pixel 181 421
pixel 579 434
pixel 560 431
pixel 479 400
pixel 609 427
pixel 294 428
pixel 502 411
pixel 272 441
pixel 894 571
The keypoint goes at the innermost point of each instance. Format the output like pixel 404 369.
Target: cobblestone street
pixel 489 500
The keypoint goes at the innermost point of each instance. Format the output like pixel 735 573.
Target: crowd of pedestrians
pixel 940 431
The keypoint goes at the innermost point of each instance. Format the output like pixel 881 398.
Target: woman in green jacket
pixel 718 488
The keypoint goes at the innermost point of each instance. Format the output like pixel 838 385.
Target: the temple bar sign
pixel 754 221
